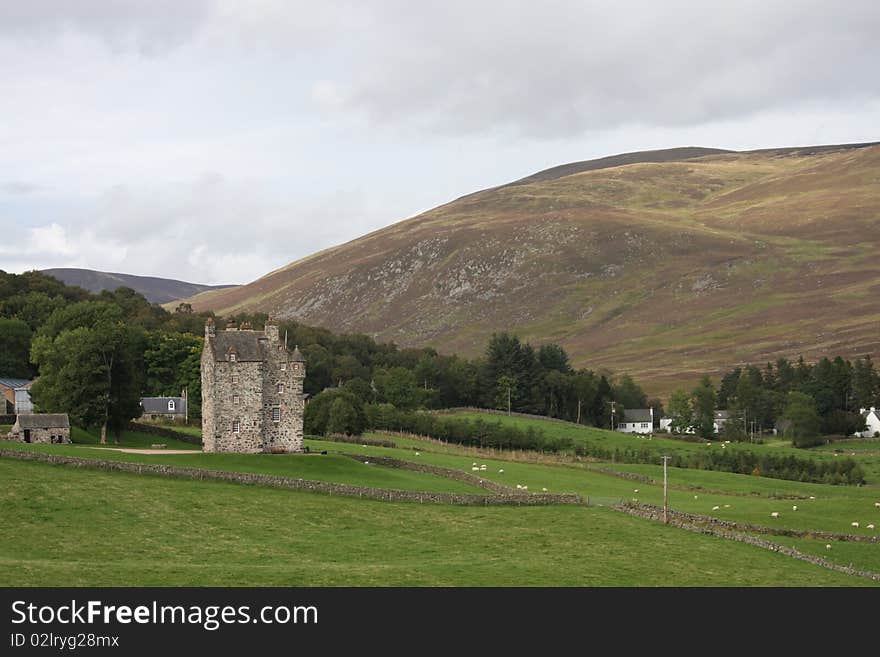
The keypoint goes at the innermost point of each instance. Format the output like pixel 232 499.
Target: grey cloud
pixel 145 26
pixel 554 69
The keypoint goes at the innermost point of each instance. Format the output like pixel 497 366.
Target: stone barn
pixel 252 391
pixel 41 428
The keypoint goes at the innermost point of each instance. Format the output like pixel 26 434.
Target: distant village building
pixel 720 418
pixel 637 420
pixel 872 423
pixel 252 391
pixel 41 428
pixel 169 408
pixel 16 396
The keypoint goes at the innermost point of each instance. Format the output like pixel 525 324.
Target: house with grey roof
pixel 637 420
pixel 48 428
pixel 157 408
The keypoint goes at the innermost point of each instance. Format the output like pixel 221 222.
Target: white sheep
pixel 483 468
pixel 871 526
pixel 726 506
pixel 812 497
pixel 828 546
pixel 854 524
pixel 794 507
pixel 418 454
pixel 518 486
pixel 715 508
pixel 501 471
pixel 635 490
pixel 775 514
pixel 545 490
pixel 366 463
pixel 475 469
pixel 877 504
pixel 525 487
pixel 695 497
pixel 473 463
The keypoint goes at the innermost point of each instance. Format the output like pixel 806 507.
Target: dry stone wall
pixel 329 488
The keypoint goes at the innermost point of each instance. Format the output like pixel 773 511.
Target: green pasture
pixel 330 467
pixel 72 527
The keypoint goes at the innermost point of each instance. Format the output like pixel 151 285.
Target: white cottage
pixel 637 420
pixel 872 422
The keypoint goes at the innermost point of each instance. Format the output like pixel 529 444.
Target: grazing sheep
pixel 854 524
pixel 871 526
pixel 475 469
pixel 418 454
pixel 519 486
pixel 635 490
pixel 812 497
pixel 775 514
pixel 726 506
pixel 715 508
pixel 828 546
pixel 695 497
pixel 473 463
pixel 794 508
pixel 877 504
pixel 525 487
pixel 366 463
pixel 501 471
pixel 545 490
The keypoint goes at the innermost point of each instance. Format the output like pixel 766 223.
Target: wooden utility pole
pixel 612 414
pixel 665 493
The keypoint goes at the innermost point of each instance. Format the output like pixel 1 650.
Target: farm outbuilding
pixel 41 428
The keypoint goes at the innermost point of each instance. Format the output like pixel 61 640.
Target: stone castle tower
pixel 252 388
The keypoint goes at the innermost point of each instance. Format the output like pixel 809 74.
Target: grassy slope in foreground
pixel 85 528
pixel 330 467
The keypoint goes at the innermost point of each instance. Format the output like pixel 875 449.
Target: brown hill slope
pixel 684 263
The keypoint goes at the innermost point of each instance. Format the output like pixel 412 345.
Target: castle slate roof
pixel 43 421
pixel 245 343
pixel 638 415
pixel 160 404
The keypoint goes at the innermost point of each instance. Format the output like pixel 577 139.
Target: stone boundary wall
pixel 356 440
pixel 440 471
pixel 154 430
pixel 274 481
pixel 656 513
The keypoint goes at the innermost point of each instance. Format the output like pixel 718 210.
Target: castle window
pixel 231 358
pixel 170 404
pixel 283 366
pixel 279 388
pixel 235 378
pixel 276 414
pixel 236 426
pixel 234 399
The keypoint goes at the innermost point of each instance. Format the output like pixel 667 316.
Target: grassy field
pixel 658 445
pixel 264 536
pixel 130 439
pixel 65 526
pixel 330 467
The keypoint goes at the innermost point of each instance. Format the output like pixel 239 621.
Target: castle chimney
pixel 272 330
pixel 231 325
pixel 209 328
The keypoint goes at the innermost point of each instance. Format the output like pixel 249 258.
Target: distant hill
pixel 155 290
pixel 666 264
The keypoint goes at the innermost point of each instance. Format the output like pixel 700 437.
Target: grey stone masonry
pixel 251 392
pixel 41 428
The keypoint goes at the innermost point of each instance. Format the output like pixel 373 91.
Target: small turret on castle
pixel 252 388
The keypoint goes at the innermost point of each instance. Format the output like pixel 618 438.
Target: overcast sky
pixel 215 140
